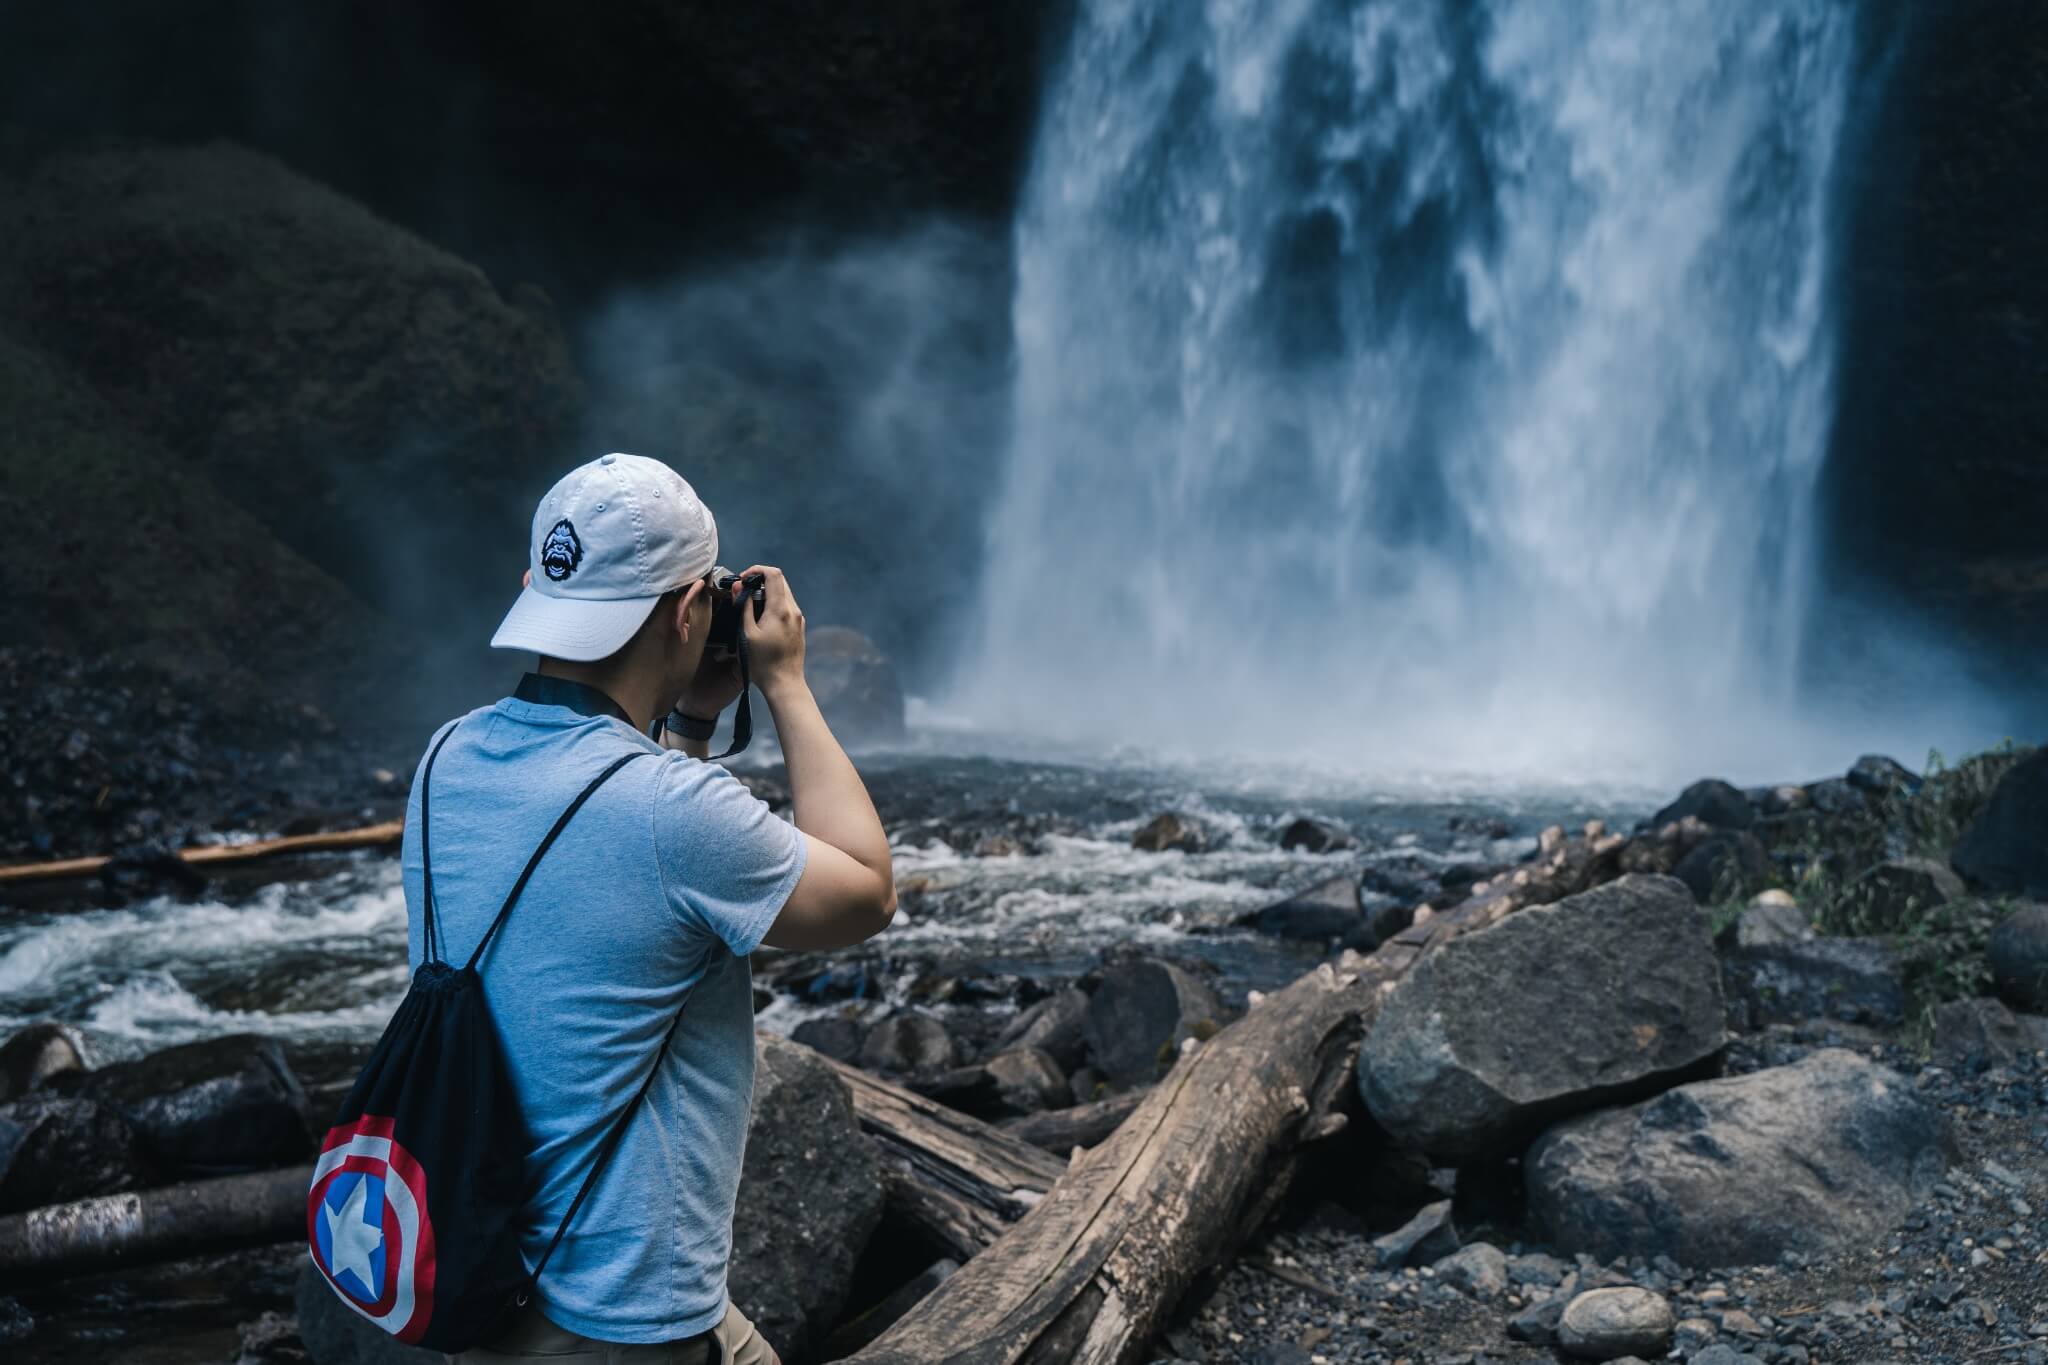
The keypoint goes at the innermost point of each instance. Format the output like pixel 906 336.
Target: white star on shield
pixel 352 1238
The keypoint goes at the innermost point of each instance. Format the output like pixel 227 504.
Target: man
pixel 657 891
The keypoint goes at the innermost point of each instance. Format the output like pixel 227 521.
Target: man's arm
pixel 847 892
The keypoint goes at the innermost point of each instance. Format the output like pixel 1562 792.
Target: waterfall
pixel 1439 384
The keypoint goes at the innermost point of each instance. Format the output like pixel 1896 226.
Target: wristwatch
pixel 689 727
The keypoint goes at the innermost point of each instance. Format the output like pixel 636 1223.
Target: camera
pixel 725 609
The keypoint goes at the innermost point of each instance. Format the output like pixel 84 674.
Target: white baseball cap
pixel 608 541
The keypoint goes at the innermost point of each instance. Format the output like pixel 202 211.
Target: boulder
pixel 1836 796
pixel 1555 1009
pixel 908 1042
pixel 1773 917
pixel 1480 1270
pixel 54 1149
pixel 297 351
pixel 1854 980
pixel 1712 801
pixel 1141 1013
pixel 1329 909
pixel 1429 1236
pixel 207 1108
pixel 1027 1080
pixel 832 1034
pixel 1170 830
pixel 1880 774
pixel 2005 849
pixel 1813 1157
pixel 34 1055
pixel 1058 1024
pixel 2018 954
pixel 1537 1324
pixel 1982 1032
pixel 1314 836
pixel 1898 893
pixel 1728 864
pixel 1602 1324
pixel 812 1197
pixel 335 1334
pixel 855 685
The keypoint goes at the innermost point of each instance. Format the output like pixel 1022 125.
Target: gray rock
pixel 1329 909
pixel 1811 1157
pixel 1983 1032
pixel 1725 865
pixel 1877 773
pixel 855 685
pixel 812 1196
pixel 1601 1324
pixel 1538 1268
pixel 211 1107
pixel 908 1042
pixel 54 1148
pixel 1429 1236
pixel 2005 849
pixel 1140 1015
pixel 1899 892
pixel 1027 1080
pixel 1058 1024
pixel 1537 1324
pixel 1170 830
pixel 1497 1033
pixel 1836 796
pixel 335 1334
pixel 2018 954
pixel 1713 801
pixel 1854 980
pixel 833 1034
pixel 1315 836
pixel 1480 1270
pixel 1773 917
pixel 1721 1353
pixel 35 1054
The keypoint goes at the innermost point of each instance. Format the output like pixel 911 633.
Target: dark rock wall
pixel 1937 484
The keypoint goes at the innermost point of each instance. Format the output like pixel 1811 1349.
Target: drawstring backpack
pixel 412 1212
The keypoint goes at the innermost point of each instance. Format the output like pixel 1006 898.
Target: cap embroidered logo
pixel 561 552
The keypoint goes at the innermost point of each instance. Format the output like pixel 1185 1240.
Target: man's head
pixel 616 571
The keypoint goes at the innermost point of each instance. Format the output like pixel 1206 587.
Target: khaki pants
pixel 733 1342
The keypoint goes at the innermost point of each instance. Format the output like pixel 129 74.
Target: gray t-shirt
pixel 658 888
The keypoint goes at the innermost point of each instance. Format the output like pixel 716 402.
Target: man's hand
pixel 775 643
pixel 716 686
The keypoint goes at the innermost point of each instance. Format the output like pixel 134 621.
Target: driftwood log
pixel 1090 1273
pixel 1083 1125
pixel 369 836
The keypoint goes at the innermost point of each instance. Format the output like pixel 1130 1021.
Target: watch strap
pixel 689 727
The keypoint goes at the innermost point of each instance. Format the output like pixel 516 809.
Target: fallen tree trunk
pixel 155 1225
pixel 369 836
pixel 1083 1125
pixel 1091 1272
pixel 959 1180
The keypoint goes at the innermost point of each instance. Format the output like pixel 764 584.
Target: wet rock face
pixel 1499 1032
pixel 2005 849
pixel 300 352
pixel 1170 831
pixel 907 1043
pixel 813 1196
pixel 207 1108
pixel 2018 954
pixel 1327 910
pixel 34 1055
pixel 855 685
pixel 1140 1015
pixel 1728 863
pixel 54 1149
pixel 1810 1157
pixel 1058 1024
pixel 1713 802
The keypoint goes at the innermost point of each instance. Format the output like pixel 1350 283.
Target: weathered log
pixel 960 1181
pixel 162 1224
pixel 1091 1272
pixel 369 836
pixel 1060 1131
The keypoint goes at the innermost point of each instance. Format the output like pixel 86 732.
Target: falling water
pixel 1438 385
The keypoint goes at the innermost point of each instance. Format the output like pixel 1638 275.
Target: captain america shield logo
pixel 367 1226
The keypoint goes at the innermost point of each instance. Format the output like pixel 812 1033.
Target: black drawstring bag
pixel 412 1213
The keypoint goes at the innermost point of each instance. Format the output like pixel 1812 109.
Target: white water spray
pixel 1431 385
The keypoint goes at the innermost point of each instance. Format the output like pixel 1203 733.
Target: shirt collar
pixel 582 698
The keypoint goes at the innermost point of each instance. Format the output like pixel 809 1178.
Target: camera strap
pixel 743 717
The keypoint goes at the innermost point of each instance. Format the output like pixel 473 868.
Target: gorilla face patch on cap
pixel 561 552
